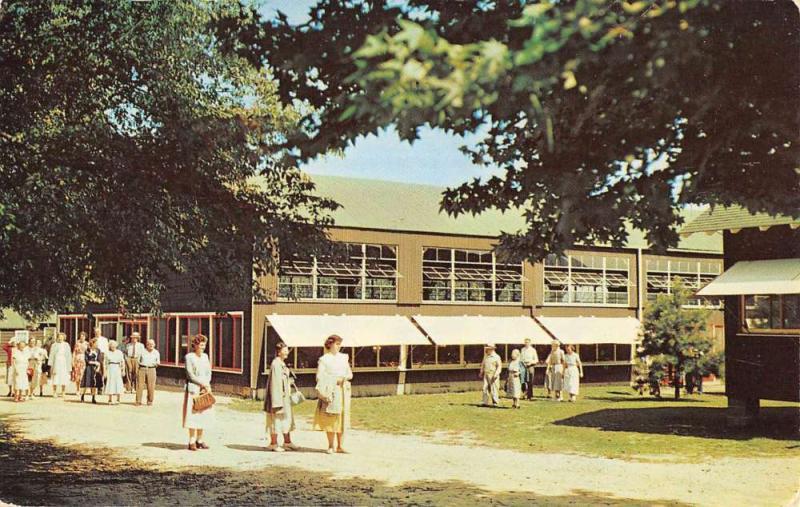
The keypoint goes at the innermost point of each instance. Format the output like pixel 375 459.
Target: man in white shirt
pixel 133 350
pixel 149 359
pixel 529 358
pixel 102 341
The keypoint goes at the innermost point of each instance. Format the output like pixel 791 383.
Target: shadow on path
pixel 41 473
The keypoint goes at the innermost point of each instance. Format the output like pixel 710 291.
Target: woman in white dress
pixel 60 362
pixel 19 363
pixel 198 380
pixel 38 358
pixel 278 402
pixel 114 368
pixel 333 389
pixel 573 372
pixel 554 376
pixel 514 383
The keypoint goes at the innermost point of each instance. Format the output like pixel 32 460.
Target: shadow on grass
pixel 42 473
pixel 777 423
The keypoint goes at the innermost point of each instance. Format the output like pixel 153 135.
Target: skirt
pixel 114 384
pixel 572 380
pixel 514 387
pixel 281 422
pixel 195 420
pixel 78 368
pixel 20 376
pixel 59 375
pixel 333 423
pixel 555 378
pixel 92 377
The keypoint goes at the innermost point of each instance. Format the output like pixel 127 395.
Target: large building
pixel 415 294
pixel 761 287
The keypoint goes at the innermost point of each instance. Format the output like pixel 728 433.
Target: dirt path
pixel 151 437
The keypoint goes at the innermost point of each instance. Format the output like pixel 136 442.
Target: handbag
pixel 45 368
pixel 296 397
pixel 203 401
pixel 30 373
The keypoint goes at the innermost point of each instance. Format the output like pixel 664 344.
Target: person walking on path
pixel 278 402
pixel 148 362
pixel 8 348
pixel 529 358
pixel 573 372
pixel 491 367
pixel 19 361
pixel 61 364
pixel 334 393
pixel 554 377
pixel 133 350
pixel 78 360
pixel 92 376
pixel 113 371
pixel 514 383
pixel 37 361
pixel 198 380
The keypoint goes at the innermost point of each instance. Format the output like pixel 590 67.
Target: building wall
pixel 409 302
pixel 760 365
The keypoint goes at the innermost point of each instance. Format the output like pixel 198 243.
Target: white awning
pixel 479 330
pixel 778 276
pixel 587 330
pixel 355 330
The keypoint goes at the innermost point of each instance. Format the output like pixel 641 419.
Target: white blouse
pixel 334 365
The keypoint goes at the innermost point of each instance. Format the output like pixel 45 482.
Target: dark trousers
pixel 529 382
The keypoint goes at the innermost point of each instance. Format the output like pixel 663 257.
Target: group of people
pixel 563 373
pixel 332 413
pixel 95 366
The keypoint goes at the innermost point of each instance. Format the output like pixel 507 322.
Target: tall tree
pixel 598 114
pixel 673 334
pixel 133 150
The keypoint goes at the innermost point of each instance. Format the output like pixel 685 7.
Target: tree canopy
pixel 597 114
pixel 131 150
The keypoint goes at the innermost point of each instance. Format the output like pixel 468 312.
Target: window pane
pixel 390 356
pixel 420 355
pixel 605 352
pixel 791 312
pixel 227 344
pixel 757 312
pixel 451 354
pixel 307 357
pixel 473 354
pixel 366 357
pixel 588 353
pixel 623 352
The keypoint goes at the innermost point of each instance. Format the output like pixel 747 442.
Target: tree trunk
pixel 677 381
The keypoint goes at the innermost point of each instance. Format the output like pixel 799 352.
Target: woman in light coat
pixel 114 369
pixel 198 380
pixel 60 362
pixel 277 401
pixel 333 389
pixel 19 367
pixel 573 372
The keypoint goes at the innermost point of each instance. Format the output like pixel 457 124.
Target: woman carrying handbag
pixel 278 401
pixel 197 400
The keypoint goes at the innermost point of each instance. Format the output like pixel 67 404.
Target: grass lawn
pixel 611 421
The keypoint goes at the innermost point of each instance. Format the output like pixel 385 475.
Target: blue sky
pixel 433 159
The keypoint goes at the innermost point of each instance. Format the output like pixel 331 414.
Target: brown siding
pixel 760 366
